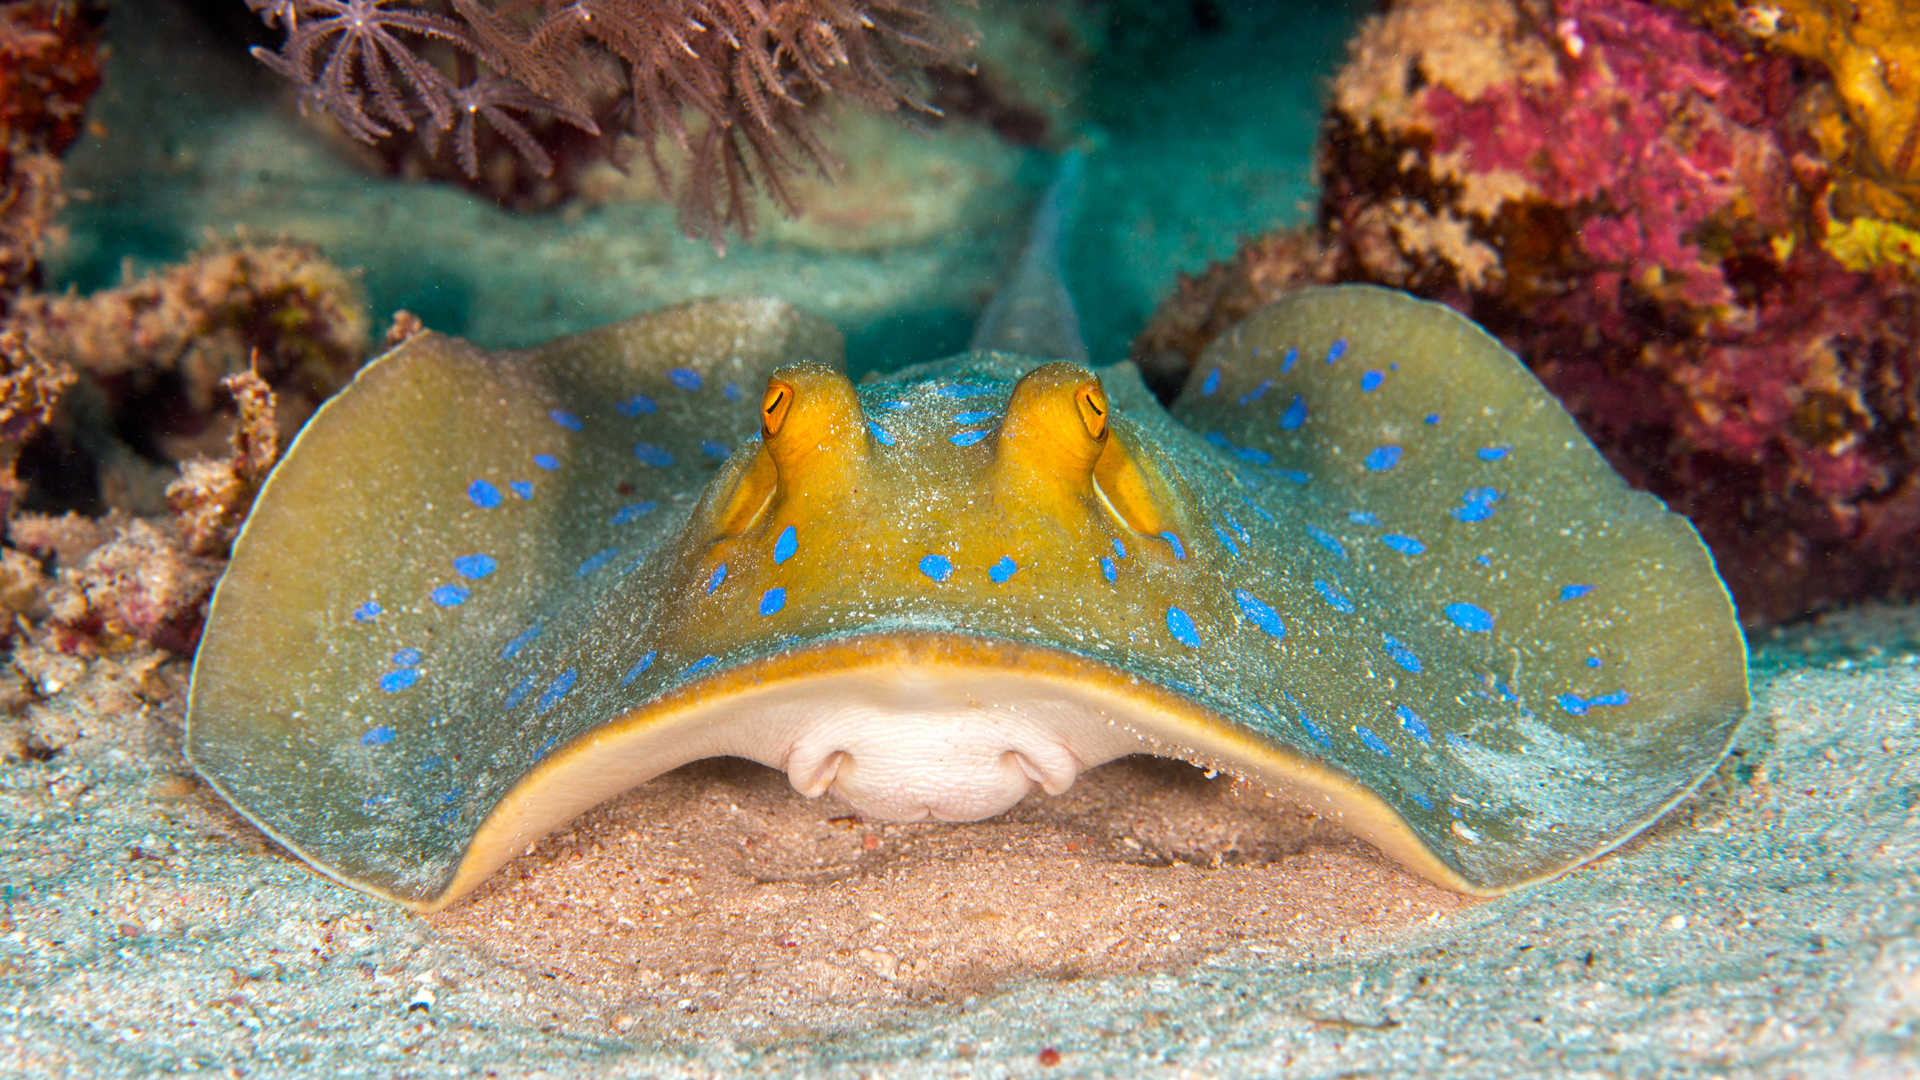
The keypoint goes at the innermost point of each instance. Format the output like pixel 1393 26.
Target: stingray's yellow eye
pixel 1092 402
pixel 773 408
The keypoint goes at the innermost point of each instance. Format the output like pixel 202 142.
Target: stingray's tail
pixel 1033 312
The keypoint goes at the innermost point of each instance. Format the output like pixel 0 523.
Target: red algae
pixel 1633 204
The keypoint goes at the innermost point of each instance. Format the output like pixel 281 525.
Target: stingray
pixel 1363 558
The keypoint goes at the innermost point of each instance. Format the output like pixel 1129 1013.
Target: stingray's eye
pixel 1092 401
pixel 774 407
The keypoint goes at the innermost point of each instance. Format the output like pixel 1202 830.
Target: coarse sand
pixel 716 896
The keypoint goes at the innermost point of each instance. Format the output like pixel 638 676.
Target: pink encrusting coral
pixel 1633 204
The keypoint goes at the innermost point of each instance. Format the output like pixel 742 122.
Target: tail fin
pixel 1033 313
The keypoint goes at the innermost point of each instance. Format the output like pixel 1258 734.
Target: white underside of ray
pixel 913 742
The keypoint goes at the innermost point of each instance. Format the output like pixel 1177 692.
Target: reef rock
pixel 1636 205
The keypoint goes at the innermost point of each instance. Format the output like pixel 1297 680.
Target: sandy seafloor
pixel 1152 922
pixel 1766 928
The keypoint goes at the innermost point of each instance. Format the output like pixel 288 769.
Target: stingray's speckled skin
pixel 1366 558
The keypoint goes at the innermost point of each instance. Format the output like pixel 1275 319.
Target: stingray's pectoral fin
pixel 1058 441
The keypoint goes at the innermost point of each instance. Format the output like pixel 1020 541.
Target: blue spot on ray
pixel 1399 653
pixel 1574 592
pixel 1575 705
pixel 1371 381
pixel 546 461
pixel 366 612
pixel 1363 517
pixel 1179 549
pixel 1470 617
pixel 773 600
pixel 1319 734
pixel 555 690
pixel 1405 545
pixel 1257 392
pixel 566 419
pixel 1253 456
pixel 719 575
pixel 968 438
pixel 1003 571
pixel 484 495
pixel 1119 549
pixel 406 657
pixel 1295 414
pixel 1373 742
pixel 512 648
pixel 937 567
pixel 1414 725
pixel 1287 361
pixel 450 595
pixel 395 681
pixel 1383 458
pixel 522 489
pixel 880 433
pixel 1433 418
pixel 595 561
pixel 1593 661
pixel 1226 540
pixel 628 514
pixel 637 405
pixel 701 664
pixel 731 392
pixel 1211 384
pixel 685 378
pixel 379 736
pixel 1180 625
pixel 715 449
pixel 1336 350
pixel 639 667
pixel 1219 439
pixel 652 455
pixel 1476 504
pixel 1335 599
pixel 1326 540
pixel 973 417
pixel 474 567
pixel 1492 453
pixel 785 545
pixel 1261 615
pixel 1108 570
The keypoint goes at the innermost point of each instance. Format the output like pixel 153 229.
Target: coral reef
pixel 129 383
pixel 1867 127
pixel 50 53
pixel 1634 204
pixel 212 497
pixel 749 72
pixel 153 355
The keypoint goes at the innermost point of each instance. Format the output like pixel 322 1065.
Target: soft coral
pixel 747 70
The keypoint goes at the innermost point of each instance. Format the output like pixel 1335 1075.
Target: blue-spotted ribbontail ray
pixel 1365 559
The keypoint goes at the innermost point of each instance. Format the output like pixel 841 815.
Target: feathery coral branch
pixel 746 72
